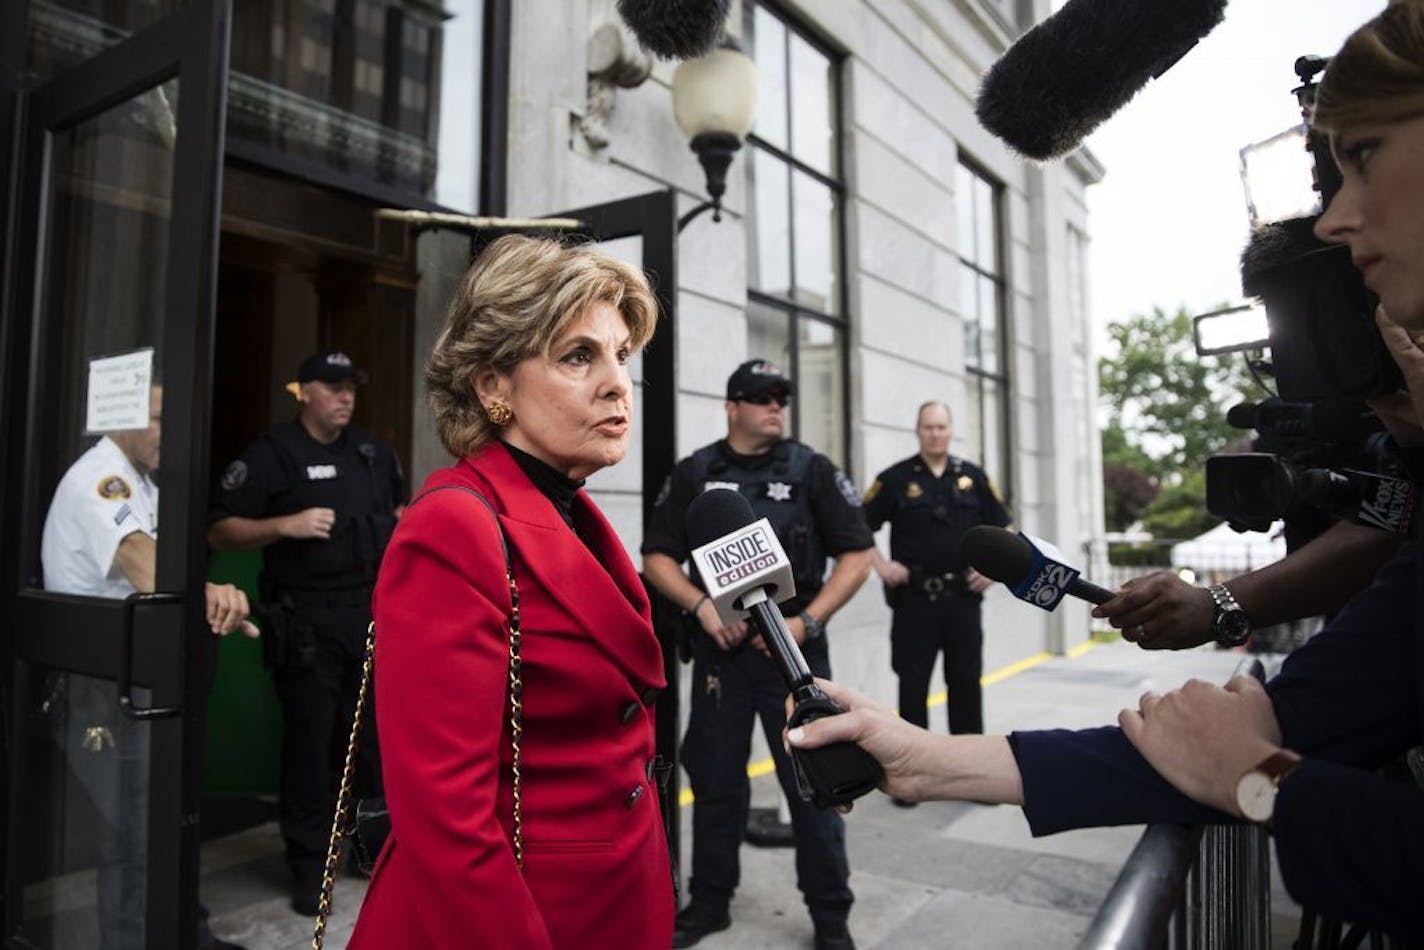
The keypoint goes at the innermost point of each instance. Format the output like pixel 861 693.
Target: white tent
pixel 1224 550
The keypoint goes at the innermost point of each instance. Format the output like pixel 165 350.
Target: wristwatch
pixel 1229 624
pixel 1256 790
pixel 814 628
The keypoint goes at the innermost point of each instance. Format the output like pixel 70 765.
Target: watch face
pixel 1256 795
pixel 1233 627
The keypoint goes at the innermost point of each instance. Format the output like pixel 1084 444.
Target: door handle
pixel 126 703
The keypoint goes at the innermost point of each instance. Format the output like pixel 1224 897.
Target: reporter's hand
pixel 226 609
pixel 896 744
pixel 308 524
pixel 976 582
pixel 1160 611
pixel 1202 738
pixel 1403 412
pixel 895 574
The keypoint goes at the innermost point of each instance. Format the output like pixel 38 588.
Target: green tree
pixel 1179 510
pixel 1166 415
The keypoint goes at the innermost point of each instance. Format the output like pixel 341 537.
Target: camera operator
pixel 1300 754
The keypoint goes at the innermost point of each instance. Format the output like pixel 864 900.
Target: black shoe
pixel 693 923
pixel 834 937
pixel 766 830
pixel 306 896
pixel 903 803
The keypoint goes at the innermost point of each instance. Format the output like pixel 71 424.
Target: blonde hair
pixel 514 302
pixel 1378 75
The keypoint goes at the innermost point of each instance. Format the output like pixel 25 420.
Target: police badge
pixel 113 488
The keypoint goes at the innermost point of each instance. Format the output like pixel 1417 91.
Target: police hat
pixel 329 366
pixel 755 377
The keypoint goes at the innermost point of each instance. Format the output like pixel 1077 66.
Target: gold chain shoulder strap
pixel 339 824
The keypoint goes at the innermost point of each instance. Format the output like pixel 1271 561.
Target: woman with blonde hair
pixel 516 662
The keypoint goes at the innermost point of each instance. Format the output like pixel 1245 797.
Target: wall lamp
pixel 714 102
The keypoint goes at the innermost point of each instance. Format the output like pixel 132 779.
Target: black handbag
pixel 369 825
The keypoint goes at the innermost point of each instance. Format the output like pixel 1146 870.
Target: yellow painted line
pixel 767 766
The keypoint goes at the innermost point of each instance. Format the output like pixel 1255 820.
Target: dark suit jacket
pixel 596 870
pixel 1350 844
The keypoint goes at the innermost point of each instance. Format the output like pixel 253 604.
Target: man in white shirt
pixel 101 539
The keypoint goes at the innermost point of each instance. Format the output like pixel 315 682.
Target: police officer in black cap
pixel 815 511
pixel 931 499
pixel 321 498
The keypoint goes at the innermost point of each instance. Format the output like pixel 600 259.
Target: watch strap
pixel 1223 599
pixel 1277 764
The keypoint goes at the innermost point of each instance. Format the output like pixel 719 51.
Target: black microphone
pixel 676 29
pixel 1071 72
pixel 742 566
pixel 1025 567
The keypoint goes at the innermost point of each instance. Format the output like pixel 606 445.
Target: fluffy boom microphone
pixel 1062 78
pixel 676 29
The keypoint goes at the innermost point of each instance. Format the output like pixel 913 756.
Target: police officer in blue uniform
pixel 930 500
pixel 815 511
pixel 321 498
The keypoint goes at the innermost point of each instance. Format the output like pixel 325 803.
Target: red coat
pixel 596 868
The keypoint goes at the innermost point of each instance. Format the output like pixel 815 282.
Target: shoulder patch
pixel 235 476
pixel 871 492
pixel 993 489
pixel 847 489
pixel 114 488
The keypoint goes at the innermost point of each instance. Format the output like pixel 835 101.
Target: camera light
pixel 1277 175
pixel 1243 327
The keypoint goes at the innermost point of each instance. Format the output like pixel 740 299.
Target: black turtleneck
pixel 558 488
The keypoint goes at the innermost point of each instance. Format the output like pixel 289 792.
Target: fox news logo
pixel 740 557
pixel 1392 508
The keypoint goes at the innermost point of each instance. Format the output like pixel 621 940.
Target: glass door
pixel 642 230
pixel 111 313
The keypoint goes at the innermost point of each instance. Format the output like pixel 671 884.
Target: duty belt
pixel 932 585
pixel 936 584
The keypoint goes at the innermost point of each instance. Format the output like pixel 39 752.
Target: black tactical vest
pixel 779 492
pixel 356 482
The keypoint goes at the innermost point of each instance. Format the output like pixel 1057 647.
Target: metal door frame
pixel 79 634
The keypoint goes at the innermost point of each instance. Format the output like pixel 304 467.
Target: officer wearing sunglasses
pixel 815 511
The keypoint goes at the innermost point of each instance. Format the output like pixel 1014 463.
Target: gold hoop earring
pixel 499 413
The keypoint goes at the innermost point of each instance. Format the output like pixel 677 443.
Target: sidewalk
pixel 943 874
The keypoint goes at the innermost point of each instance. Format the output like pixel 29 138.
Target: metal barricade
pixel 1201 887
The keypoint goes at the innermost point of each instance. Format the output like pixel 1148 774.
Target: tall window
pixel 983 425
pixel 795 294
